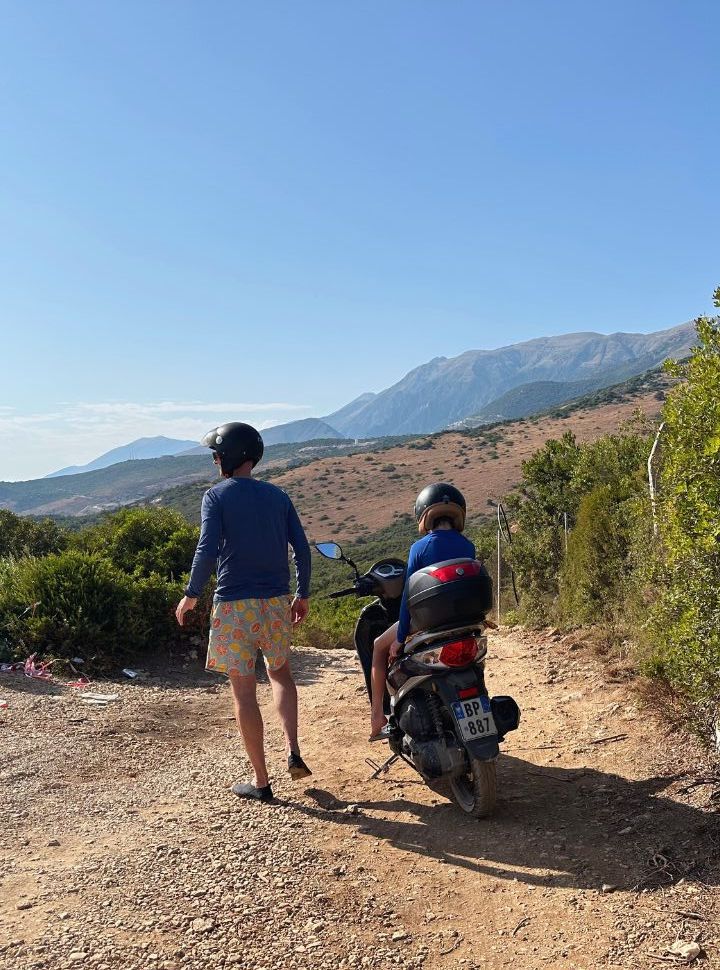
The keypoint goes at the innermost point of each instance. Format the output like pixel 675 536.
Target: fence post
pixel 497 597
pixel 508 534
pixel 651 480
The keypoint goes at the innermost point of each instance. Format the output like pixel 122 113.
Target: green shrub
pixel 330 623
pixel 78 604
pixel 20 536
pixel 684 626
pixel 153 624
pixel 145 541
pixel 547 491
pixel 483 535
pixel 597 486
pixel 64 605
pixel 594 575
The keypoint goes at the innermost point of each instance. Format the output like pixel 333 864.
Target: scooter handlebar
pixel 342 592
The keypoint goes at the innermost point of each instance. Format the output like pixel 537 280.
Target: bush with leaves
pixel 595 576
pixel 64 605
pixel 144 541
pixel 546 493
pixel 329 623
pixel 20 536
pixel 109 598
pixel 596 485
pixel 684 627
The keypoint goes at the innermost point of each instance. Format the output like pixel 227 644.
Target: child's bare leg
pixel 378 675
pixel 377 680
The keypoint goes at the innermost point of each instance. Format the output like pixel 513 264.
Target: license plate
pixel 474 718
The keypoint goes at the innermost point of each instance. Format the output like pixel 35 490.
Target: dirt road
pixel 123 848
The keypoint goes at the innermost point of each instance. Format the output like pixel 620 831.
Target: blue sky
pixel 260 210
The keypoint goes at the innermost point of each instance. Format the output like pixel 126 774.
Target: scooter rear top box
pixel 451 593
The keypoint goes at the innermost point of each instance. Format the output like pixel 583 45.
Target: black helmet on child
pixel 440 501
pixel 235 443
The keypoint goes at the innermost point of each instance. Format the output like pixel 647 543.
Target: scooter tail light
pixel 459 653
pixel 447 574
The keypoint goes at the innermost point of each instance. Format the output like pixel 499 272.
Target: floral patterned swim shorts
pixel 239 628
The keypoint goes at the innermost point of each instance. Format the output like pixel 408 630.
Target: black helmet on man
pixel 235 443
pixel 440 501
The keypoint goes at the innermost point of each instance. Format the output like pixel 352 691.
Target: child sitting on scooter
pixel 440 512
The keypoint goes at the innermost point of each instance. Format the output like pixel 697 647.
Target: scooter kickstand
pixel 383 768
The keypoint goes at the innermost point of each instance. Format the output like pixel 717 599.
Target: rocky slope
pixel 445 391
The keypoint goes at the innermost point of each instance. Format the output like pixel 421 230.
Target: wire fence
pixel 504 535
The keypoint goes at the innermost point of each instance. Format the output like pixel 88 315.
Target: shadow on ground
pixel 553 827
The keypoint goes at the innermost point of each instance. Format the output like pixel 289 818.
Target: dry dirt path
pixel 123 848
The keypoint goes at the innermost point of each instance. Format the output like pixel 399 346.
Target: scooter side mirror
pixel 331 550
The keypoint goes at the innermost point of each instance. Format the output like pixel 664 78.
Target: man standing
pixel 246 527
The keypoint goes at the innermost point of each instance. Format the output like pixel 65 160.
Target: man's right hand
pixel 186 603
pixel 299 609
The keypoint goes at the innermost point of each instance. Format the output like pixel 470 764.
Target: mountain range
pixel 156 447
pixel 482 386
pixel 474 388
pixel 179 480
pixel 306 429
pixel 448 390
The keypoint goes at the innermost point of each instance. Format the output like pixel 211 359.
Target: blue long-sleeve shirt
pixel 437 546
pixel 246 526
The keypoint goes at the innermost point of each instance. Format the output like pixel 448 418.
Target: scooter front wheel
pixel 475 792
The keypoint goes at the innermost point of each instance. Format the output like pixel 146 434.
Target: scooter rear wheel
pixel 476 792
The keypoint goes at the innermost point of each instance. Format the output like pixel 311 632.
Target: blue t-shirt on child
pixel 437 546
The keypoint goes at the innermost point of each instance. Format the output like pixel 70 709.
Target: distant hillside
pixel 345 416
pixel 307 429
pixel 545 396
pixel 539 373
pixel 476 387
pixel 104 488
pixel 131 482
pixel 333 477
pixel 527 399
pixel 156 447
pixel 445 391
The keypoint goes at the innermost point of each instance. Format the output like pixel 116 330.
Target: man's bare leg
pixel 286 704
pixel 250 723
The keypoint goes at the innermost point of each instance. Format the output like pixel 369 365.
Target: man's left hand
pixel 186 604
pixel 299 609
